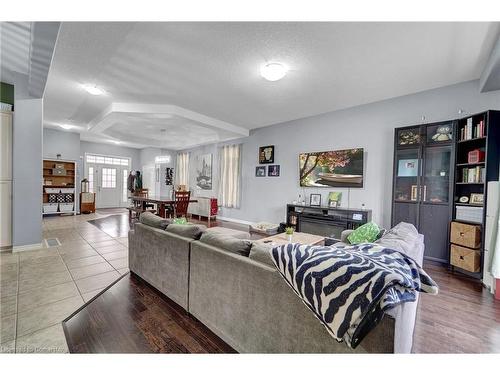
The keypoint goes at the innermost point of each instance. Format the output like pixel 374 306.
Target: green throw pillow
pixel 365 233
pixel 180 220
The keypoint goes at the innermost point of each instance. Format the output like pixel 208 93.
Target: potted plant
pixel 289 233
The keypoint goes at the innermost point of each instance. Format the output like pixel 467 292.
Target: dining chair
pixel 181 203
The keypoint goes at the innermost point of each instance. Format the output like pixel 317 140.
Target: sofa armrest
pixel 345 234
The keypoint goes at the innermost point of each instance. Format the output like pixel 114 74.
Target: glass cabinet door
pixel 407 175
pixel 436 179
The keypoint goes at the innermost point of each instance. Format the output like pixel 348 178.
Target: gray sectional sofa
pixel 243 299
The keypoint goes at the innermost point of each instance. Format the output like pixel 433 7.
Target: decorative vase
pixel 289 237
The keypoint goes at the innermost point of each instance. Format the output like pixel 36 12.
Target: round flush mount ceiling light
pixel 115 142
pixel 273 71
pixel 66 126
pixel 93 89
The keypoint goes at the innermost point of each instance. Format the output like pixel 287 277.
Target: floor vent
pixel 52 242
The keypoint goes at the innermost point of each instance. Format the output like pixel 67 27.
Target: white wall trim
pixel 230 219
pixel 35 246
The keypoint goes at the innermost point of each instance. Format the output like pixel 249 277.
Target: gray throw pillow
pixel 150 219
pixel 261 252
pixel 226 242
pixel 188 230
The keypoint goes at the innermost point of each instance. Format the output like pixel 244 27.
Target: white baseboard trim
pixel 234 220
pixel 34 246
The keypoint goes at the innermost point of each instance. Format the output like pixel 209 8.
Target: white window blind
pixel 230 176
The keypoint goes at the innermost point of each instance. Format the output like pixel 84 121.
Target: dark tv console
pixel 323 220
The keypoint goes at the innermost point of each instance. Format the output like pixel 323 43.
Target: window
pixel 109 178
pixel 107 160
pixel 230 176
pixel 124 188
pixel 162 159
pixel 91 179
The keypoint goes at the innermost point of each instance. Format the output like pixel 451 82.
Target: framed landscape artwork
pixel 342 168
pixel 204 172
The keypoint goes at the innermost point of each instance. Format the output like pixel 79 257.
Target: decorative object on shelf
pixel 169 176
pixel 260 171
pixel 476 198
pixel 315 199
pixel 463 199
pixel 84 186
pixel 408 137
pixel 266 154
pixel 414 191
pixel 289 233
pixel 334 198
pixel 59 170
pixel 273 171
pixel 204 172
pixel 443 133
pixel 342 168
pixel 407 167
pixel 475 156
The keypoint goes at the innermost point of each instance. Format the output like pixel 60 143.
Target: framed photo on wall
pixel 273 171
pixel 266 154
pixel 260 171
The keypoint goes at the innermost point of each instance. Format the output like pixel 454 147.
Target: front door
pixel 109 183
pixel 108 191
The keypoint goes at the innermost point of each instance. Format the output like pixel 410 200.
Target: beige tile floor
pixel 40 288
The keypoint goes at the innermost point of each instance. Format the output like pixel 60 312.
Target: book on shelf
pixel 473 175
pixel 471 131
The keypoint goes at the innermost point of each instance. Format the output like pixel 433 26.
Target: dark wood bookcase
pixel 423 183
pixel 485 139
pixel 428 177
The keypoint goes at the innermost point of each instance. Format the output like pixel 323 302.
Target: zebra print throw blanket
pixel 349 288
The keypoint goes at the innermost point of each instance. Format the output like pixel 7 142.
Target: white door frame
pixel 121 179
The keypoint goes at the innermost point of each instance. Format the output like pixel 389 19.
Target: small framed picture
pixel 413 192
pixel 266 154
pixel 315 200
pixel 273 171
pixel 260 171
pixel 476 198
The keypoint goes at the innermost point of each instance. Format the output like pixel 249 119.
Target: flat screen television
pixel 341 168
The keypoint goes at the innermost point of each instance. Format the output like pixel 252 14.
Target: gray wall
pixel 148 156
pixel 27 172
pixel 369 126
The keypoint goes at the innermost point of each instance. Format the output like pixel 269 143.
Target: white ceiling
pixel 206 75
pixel 26 50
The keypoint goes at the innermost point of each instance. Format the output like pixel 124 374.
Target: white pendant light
pixel 273 71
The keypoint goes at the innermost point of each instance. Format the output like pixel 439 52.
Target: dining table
pixel 161 201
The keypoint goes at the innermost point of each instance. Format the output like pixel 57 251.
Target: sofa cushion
pixel 366 233
pixel 261 252
pixel 227 242
pixel 150 219
pixel 188 230
pixel 230 232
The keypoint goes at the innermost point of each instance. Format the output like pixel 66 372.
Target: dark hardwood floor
pixel 133 317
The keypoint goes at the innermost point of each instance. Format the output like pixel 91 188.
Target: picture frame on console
pixel 315 200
